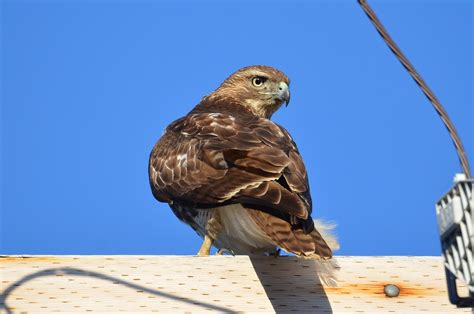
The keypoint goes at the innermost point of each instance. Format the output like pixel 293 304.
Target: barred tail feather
pixel 316 245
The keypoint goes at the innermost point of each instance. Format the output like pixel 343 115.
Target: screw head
pixel 391 291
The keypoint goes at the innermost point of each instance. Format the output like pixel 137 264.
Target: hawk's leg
pixel 205 249
pixel 213 227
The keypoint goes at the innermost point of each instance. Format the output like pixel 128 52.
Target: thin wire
pixel 424 87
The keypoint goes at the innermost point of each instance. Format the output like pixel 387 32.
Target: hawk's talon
pixel 276 253
pixel 222 252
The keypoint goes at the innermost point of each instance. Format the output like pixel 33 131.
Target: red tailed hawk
pixel 235 176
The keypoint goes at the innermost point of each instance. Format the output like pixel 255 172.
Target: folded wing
pixel 207 159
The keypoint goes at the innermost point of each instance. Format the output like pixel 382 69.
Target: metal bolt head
pixel 391 291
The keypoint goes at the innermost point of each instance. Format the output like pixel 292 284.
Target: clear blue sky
pixel 87 89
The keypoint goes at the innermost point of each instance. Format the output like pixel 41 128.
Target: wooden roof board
pixel 224 284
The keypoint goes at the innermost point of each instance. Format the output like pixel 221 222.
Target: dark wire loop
pixel 421 83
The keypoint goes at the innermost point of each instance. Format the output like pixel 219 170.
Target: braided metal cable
pixel 424 87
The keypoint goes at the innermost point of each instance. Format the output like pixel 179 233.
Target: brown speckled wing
pixel 207 159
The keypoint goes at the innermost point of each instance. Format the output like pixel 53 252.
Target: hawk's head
pixel 260 88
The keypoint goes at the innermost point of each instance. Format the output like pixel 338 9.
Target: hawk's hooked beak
pixel 284 93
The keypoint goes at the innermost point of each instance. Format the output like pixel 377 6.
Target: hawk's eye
pixel 258 81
